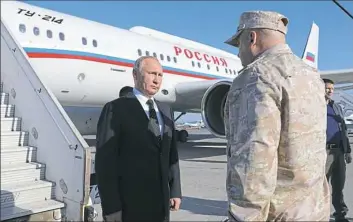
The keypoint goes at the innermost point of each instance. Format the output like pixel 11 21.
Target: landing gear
pixel 182 135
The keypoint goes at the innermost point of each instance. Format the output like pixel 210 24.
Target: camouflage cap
pixel 259 19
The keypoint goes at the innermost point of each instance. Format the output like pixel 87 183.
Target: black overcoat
pixel 135 172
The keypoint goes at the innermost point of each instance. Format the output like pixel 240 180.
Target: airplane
pixel 192 124
pixel 86 63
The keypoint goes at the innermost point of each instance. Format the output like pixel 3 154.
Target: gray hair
pixel 138 63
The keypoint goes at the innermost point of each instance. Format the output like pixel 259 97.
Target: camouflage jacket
pixel 275 122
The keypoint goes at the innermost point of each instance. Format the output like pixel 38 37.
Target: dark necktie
pixel 153 118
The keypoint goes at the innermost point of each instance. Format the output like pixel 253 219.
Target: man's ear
pixel 253 37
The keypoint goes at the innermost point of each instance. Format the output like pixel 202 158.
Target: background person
pixel 338 151
pixel 125 91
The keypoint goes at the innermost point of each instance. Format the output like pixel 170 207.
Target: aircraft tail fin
pixel 310 54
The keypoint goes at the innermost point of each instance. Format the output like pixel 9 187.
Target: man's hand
pixel 114 217
pixel 348 158
pixel 175 204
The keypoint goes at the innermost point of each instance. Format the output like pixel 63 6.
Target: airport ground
pixel 203 171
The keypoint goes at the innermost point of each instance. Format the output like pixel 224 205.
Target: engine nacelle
pixel 212 107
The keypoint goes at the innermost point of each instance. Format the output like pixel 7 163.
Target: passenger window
pixel 147 53
pixel 61 36
pixel 226 71
pixel 208 66
pixel 193 64
pixel 49 34
pixel 22 28
pixel 217 69
pixel 95 43
pixel 162 57
pixel 175 59
pixel 84 41
pixel 36 31
pixel 139 52
pixel 199 65
pixel 155 55
pixel 168 58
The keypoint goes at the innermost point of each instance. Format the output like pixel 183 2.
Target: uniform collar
pixel 279 48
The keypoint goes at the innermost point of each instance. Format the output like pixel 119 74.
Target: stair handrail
pixel 77 141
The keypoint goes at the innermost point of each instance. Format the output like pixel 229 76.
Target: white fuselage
pixel 62 51
pixel 85 63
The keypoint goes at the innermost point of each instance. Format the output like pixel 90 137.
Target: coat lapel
pixel 142 115
pixel 165 113
pixel 140 110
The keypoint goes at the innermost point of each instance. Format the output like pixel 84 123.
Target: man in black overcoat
pixel 137 163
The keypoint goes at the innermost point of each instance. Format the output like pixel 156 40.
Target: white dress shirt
pixel 143 101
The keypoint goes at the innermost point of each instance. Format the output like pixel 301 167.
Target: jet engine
pixel 212 107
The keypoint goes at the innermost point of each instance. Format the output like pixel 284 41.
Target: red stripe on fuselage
pixel 88 58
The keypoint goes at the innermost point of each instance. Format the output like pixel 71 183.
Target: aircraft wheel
pixel 183 136
pixel 186 132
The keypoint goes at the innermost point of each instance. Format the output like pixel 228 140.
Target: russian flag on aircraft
pixel 310 56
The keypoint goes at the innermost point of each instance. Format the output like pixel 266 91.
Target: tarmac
pixel 203 173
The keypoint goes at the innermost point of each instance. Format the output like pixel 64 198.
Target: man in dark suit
pixel 338 151
pixel 137 164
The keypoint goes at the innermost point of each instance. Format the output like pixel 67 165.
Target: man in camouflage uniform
pixel 275 120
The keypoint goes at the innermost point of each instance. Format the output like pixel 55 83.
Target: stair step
pixel 7 110
pixel 19 154
pixel 4 98
pixel 14 138
pixel 27 209
pixel 25 194
pixel 10 124
pixel 21 173
pixel 22 193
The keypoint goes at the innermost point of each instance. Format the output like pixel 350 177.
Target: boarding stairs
pixel 24 190
pixel 45 162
